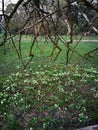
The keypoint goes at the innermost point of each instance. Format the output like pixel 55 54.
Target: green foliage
pixel 50 97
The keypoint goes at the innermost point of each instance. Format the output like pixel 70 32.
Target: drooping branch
pixel 88 20
pixel 91 52
pixel 15 8
pixel 53 19
pixel 87 3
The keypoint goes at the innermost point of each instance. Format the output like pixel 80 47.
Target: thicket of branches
pixel 41 97
pixel 52 19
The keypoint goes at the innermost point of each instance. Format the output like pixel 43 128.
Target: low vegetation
pixel 48 95
pixel 49 98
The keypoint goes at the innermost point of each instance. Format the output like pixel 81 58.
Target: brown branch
pixel 87 3
pixel 31 26
pixel 15 8
pixel 75 48
pixel 64 42
pixel 90 52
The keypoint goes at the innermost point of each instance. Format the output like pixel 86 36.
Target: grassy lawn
pixel 41 51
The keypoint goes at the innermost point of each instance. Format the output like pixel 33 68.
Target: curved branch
pixel 15 8
pixel 87 3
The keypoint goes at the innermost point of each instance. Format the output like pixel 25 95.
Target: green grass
pixel 41 51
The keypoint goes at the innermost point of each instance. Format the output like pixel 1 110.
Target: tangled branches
pixel 50 19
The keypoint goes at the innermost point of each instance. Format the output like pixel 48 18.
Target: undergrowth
pixel 49 98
